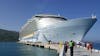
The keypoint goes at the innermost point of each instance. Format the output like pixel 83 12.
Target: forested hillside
pixel 8 36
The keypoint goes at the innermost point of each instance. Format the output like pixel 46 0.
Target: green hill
pixel 8 36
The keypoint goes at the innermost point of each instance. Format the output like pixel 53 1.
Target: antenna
pixel 58 14
pixel 93 16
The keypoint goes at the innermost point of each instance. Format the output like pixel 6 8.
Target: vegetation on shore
pixel 8 36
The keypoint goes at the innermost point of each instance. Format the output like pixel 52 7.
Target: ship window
pixel 60 18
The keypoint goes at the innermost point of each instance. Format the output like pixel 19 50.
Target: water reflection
pixel 35 51
pixel 15 49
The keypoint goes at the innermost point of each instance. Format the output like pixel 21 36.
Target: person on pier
pixel 66 46
pixel 71 45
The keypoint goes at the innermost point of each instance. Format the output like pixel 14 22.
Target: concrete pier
pixel 82 51
pixel 78 50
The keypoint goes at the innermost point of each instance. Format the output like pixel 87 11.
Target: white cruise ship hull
pixel 58 31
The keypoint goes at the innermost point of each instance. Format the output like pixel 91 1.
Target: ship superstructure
pixel 44 28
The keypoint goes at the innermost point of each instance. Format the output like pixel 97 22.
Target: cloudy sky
pixel 15 13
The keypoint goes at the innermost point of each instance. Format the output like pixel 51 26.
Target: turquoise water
pixel 16 49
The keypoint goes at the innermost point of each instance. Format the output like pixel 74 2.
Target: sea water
pixel 96 46
pixel 16 49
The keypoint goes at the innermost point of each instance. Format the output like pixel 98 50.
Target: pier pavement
pixel 78 50
pixel 82 51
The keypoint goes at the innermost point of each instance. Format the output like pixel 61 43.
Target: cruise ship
pixel 55 28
